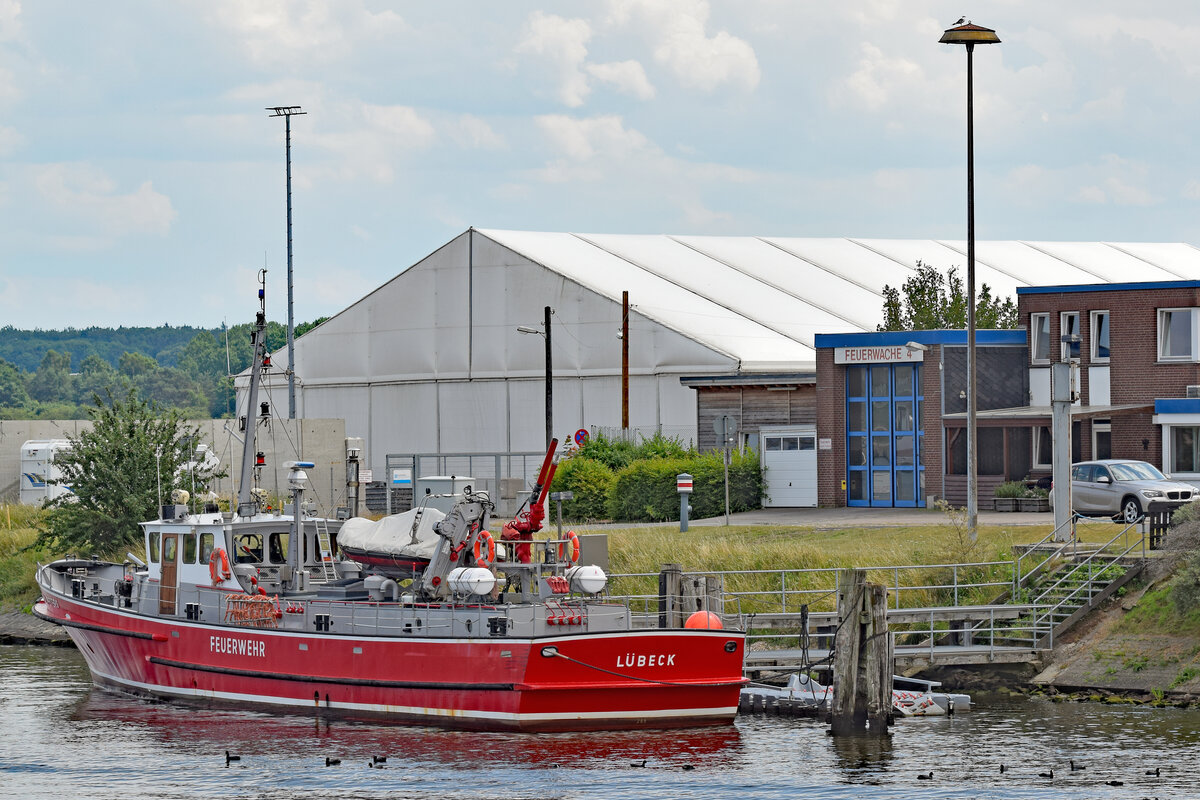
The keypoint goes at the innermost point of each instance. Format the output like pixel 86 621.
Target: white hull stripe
pixel 420 711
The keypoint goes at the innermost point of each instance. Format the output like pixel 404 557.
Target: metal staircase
pixel 1069 580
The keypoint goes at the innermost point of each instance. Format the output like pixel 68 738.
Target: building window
pixel 1100 337
pixel 1039 329
pixel 1043 448
pixel 1101 439
pixel 1175 334
pixel 1043 445
pixel 1185 457
pixel 1068 325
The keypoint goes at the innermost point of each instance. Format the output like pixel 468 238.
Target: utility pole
pixel 544 332
pixel 287 112
pixel 549 384
pixel 625 363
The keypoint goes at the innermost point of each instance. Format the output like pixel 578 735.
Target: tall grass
pixel 19 554
pixel 758 555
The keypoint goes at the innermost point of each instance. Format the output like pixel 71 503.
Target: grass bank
pixel 759 553
pixel 19 555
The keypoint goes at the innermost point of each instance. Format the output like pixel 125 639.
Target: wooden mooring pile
pixel 863 661
pixel 862 658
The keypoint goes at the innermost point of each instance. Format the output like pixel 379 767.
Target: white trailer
pixel 38 470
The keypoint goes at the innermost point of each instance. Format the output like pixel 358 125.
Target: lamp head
pixel 969 34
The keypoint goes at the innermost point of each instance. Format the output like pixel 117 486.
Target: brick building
pixel 891 407
pixel 888 408
pixel 1139 358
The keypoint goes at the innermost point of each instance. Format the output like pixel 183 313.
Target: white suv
pixel 1123 489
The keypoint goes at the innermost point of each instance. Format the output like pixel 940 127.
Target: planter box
pixel 1007 503
pixel 1034 503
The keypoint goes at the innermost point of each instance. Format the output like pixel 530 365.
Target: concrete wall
pixel 321 441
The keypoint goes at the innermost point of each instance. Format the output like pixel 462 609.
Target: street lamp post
pixel 971 35
pixel 544 332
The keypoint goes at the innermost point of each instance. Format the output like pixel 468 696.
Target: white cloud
pixel 374 138
pixel 471 132
pixel 599 138
pixel 628 77
pixel 1173 39
pixel 700 217
pixel 681 43
pixel 8 86
pixel 89 195
pixel 562 42
pixel 1191 190
pixel 1120 183
pixel 877 80
pixel 279 32
pixel 10 20
pixel 10 140
pixel 591 149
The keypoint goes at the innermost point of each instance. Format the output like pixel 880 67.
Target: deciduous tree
pixel 930 300
pixel 115 471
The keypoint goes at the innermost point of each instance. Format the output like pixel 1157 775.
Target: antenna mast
pixel 287 112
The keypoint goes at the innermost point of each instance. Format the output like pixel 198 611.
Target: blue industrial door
pixel 883 436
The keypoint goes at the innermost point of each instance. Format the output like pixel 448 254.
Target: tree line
pixel 57 374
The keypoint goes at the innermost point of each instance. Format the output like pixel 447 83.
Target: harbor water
pixel 62 738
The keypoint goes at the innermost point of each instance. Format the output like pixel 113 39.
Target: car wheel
pixel 1131 510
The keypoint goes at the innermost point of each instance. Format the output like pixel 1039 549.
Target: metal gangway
pixel 945 614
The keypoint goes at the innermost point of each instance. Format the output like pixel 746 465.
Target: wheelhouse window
pixel 152 540
pixel 1069 327
pixel 1176 332
pixel 1039 330
pixel 206 547
pixel 189 548
pixel 1099 337
pixel 278 547
pixel 249 548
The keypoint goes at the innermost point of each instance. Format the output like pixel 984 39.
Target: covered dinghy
pixel 399 546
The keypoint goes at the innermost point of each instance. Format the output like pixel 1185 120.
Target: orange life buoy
pixel 484 550
pixel 222 573
pixel 573 541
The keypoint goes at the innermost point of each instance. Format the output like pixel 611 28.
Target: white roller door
pixel 789 456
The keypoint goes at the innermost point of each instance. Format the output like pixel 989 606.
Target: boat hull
pixel 578 681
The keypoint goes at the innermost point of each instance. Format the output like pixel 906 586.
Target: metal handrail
pixel 832 574
pixel 1089 584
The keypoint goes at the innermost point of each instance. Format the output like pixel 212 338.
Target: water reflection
pixel 856 754
pixel 60 737
pixel 256 734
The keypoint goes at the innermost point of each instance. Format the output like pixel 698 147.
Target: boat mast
pixel 247 504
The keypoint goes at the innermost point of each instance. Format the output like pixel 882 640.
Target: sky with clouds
pixel 142 182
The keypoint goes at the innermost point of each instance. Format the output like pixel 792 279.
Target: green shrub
pixel 645 490
pixel 616 454
pixel 1011 489
pixel 1185 589
pixel 1185 513
pixel 590 481
pixel 612 453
